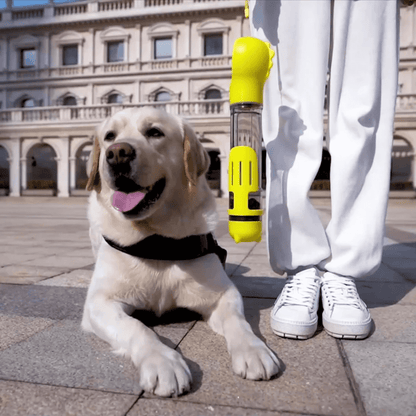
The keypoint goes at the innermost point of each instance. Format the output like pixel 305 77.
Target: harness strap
pixel 158 247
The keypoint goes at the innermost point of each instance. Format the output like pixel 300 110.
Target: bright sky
pixel 22 3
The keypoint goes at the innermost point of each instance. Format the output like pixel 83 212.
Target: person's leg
pixel 299 31
pixel 363 87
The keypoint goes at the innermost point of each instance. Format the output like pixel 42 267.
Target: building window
pixel 70 55
pixel 27 103
pixel 213 44
pixel 115 99
pixel 213 107
pixel 212 94
pixel 162 96
pixel 163 48
pixel 69 101
pixel 28 58
pixel 115 51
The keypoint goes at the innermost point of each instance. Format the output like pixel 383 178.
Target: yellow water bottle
pixel 251 63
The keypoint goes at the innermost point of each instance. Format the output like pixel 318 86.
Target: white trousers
pixel 356 42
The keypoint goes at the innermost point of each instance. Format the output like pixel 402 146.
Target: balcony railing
pixel 406 102
pixel 118 67
pixel 96 113
pixel 84 9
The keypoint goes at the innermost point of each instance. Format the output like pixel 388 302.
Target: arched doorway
pixel 214 171
pixel 42 168
pixel 401 164
pixel 322 178
pixel 4 171
pixel 82 156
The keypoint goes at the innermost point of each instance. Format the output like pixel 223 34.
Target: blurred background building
pixel 66 66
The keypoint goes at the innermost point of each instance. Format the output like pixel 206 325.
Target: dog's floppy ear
pixel 94 181
pixel 195 157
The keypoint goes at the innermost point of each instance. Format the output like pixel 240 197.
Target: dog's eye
pixel 154 132
pixel 110 136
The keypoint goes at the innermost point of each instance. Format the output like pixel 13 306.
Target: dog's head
pixel 142 158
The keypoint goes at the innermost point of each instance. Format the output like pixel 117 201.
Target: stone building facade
pixel 64 67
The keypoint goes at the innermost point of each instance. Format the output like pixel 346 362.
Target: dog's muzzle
pixel 119 157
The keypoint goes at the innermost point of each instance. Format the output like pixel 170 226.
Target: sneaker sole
pixel 347 332
pixel 291 336
pixel 287 330
pixel 343 336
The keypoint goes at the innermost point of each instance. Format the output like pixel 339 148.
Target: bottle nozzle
pixel 251 64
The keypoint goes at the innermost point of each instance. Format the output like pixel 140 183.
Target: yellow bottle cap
pixel 250 68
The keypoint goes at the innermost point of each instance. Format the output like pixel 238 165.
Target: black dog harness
pixel 158 247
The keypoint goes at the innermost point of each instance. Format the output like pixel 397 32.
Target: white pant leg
pixel 363 87
pixel 293 125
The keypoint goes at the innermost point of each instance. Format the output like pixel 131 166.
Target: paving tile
pixel 317 386
pixel 23 399
pixel 7 259
pixel 410 297
pixel 14 329
pixel 251 268
pixel 400 251
pixel 385 373
pixel 76 278
pixel 259 286
pixel 404 267
pixel 22 274
pixel 72 243
pixel 375 293
pixel 233 248
pixel 42 301
pixel 171 407
pixel 61 261
pixel 30 249
pixel 394 323
pixel 64 355
pixel 235 258
pixel 384 274
pixel 83 252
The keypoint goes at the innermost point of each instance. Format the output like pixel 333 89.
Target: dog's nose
pixel 120 153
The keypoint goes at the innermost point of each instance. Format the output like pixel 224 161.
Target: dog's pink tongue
pixel 126 202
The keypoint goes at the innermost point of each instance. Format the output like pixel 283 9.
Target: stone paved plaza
pixel 49 367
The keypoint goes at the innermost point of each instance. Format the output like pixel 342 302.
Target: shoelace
pixel 300 291
pixel 341 291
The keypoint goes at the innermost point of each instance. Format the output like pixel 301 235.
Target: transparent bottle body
pixel 246 131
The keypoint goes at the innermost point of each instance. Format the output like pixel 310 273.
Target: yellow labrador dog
pixel 151 217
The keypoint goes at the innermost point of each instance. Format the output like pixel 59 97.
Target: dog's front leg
pixel 251 358
pixel 162 370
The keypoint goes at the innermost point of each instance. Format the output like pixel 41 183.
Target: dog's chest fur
pixel 157 285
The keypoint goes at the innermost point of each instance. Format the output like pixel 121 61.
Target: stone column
pixel 414 169
pixel 224 176
pixel 188 41
pixel 23 164
pixel 14 164
pixel 63 168
pixel 72 172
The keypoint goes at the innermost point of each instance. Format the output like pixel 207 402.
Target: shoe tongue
pixel 126 202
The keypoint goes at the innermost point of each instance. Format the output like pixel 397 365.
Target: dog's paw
pixel 253 360
pixel 164 372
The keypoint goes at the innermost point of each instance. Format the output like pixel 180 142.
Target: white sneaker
pixel 345 314
pixel 294 314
